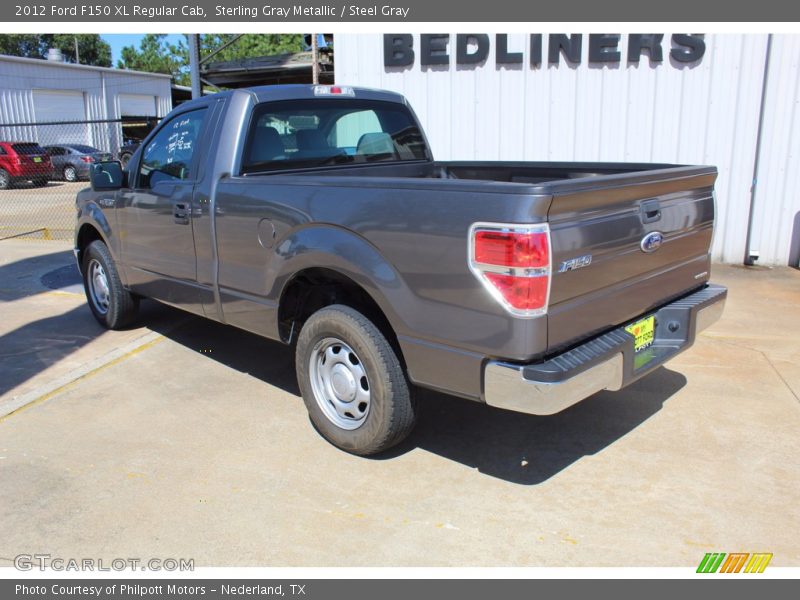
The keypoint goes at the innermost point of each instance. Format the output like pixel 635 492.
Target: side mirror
pixel 107 175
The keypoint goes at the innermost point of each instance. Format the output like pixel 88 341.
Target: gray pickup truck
pixel 316 215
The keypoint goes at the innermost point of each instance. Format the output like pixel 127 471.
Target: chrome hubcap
pixel 339 383
pixel 98 286
pixel 69 174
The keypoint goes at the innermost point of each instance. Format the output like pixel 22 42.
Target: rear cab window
pixel 317 132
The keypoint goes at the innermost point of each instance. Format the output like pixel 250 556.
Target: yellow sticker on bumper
pixel 644 331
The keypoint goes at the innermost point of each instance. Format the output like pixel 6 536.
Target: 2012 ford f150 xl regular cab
pixel 315 215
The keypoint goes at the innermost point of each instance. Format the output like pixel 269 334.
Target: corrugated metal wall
pixel 776 223
pixel 700 113
pixel 100 87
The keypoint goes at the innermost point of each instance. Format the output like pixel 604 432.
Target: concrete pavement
pixel 192 442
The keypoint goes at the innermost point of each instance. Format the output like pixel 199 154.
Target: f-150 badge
pixel 575 263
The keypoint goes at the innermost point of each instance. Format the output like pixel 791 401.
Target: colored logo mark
pixel 735 562
pixel 652 241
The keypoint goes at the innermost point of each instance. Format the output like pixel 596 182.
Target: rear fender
pixel 340 250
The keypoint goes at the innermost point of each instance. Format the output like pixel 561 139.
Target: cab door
pixel 155 213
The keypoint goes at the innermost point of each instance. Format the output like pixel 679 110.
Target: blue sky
pixel 118 41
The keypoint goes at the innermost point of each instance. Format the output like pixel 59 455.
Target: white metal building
pixel 43 91
pixel 736 107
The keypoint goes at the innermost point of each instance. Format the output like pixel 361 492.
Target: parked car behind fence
pixel 24 161
pixel 71 161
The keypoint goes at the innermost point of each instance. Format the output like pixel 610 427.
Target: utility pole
pixel 194 64
pixel 314 59
pixel 77 54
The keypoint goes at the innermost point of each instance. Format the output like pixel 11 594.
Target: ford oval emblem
pixel 652 241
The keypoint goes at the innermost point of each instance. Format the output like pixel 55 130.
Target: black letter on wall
pixel 693 47
pixel 433 49
pixel 650 41
pixel 463 57
pixel 504 57
pixel 397 50
pixel 536 49
pixel 604 47
pixel 569 44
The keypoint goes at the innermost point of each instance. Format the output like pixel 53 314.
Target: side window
pixel 168 156
pixel 2 151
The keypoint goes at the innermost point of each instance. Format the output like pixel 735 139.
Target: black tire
pixel 121 306
pixel 124 159
pixel 390 414
pixel 70 173
pixel 5 180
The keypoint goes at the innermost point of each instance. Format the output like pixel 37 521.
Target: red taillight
pixel 87 159
pixel 511 249
pixel 513 263
pixel 523 293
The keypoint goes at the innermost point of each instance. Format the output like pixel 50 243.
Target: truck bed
pixel 595 210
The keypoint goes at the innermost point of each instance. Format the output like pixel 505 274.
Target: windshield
pixel 313 133
pixel 28 149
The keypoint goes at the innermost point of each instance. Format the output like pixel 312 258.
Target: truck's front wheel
pixel 112 305
pixel 352 382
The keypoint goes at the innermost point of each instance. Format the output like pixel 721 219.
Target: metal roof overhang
pixel 267 70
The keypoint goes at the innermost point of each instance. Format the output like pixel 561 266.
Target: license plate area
pixel 644 333
pixel 37 159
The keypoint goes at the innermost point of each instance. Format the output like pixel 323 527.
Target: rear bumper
pixel 82 170
pixel 607 362
pixel 30 173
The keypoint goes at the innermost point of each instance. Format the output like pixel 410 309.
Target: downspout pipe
pixel 750 259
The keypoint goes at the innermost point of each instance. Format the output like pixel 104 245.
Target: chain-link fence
pixel 44 165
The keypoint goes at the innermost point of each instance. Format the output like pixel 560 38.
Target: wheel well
pixel 313 289
pixel 86 235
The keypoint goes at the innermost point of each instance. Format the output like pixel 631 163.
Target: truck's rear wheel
pixel 112 305
pixel 352 382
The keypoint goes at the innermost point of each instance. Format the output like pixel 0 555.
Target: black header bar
pixel 396 11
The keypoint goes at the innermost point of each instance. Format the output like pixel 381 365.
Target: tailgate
pixel 623 245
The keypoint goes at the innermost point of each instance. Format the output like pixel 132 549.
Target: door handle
pixel 181 213
pixel 650 210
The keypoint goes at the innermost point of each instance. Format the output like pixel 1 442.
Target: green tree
pixel 250 45
pixel 26 45
pixel 92 49
pixel 156 55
